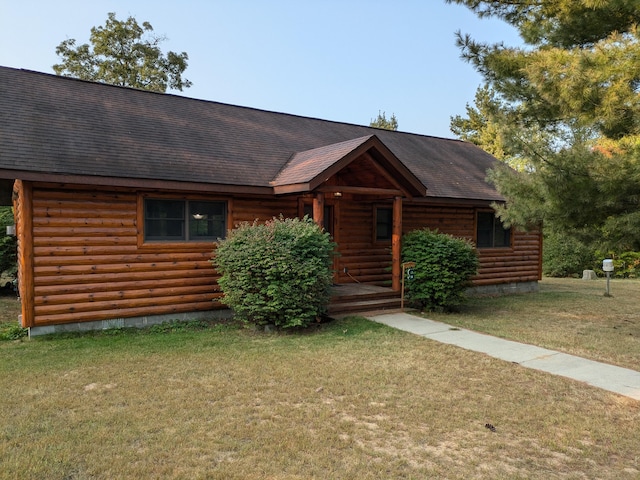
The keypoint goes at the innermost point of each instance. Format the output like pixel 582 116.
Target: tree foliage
pixel 565 256
pixel 123 53
pixel 8 243
pixel 479 127
pixel 564 108
pixel 276 273
pixel 381 121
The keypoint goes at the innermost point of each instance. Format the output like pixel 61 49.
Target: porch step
pixel 363 306
pixel 365 301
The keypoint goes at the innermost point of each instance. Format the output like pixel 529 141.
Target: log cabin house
pixel 119 195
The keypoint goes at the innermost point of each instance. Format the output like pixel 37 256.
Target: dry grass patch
pixel 352 399
pixel 570 315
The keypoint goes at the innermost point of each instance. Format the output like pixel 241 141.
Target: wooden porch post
pixel 396 237
pixel 318 209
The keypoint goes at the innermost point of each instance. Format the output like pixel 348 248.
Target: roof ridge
pixel 182 96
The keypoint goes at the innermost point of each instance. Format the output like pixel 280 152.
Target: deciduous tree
pixel 123 53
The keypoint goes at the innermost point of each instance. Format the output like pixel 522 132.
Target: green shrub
pixel 625 264
pixel 276 273
pixel 564 256
pixel 444 267
pixel 629 264
pixel 12 331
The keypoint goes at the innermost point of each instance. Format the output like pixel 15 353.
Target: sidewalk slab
pixel 413 324
pixel 622 381
pixel 495 347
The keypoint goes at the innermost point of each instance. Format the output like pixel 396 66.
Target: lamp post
pixel 607 267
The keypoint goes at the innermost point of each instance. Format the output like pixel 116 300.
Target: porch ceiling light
pixel 337 194
pixel 199 216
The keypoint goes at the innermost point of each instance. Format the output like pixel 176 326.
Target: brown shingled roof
pixel 60 126
pixel 307 165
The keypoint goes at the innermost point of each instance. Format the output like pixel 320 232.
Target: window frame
pixel 495 221
pixel 186 241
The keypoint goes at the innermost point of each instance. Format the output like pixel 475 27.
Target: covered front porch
pixel 355 191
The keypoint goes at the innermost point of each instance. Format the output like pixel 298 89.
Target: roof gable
pixel 309 169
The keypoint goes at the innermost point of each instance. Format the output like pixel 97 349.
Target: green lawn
pixel 570 315
pixel 348 399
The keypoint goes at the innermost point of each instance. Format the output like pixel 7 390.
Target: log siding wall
pixel 263 209
pixel 366 260
pixel 82 258
pixel 88 264
pixel 520 263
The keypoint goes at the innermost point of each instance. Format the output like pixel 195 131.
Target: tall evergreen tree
pixel 566 104
pixel 480 126
pixel 382 122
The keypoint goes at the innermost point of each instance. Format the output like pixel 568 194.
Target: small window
pixel 491 233
pixel 183 220
pixel 384 223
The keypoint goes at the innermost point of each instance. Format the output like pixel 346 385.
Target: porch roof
pixel 306 170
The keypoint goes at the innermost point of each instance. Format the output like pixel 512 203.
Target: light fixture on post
pixel 607 267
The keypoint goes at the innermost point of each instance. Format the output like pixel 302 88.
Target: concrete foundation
pixel 134 322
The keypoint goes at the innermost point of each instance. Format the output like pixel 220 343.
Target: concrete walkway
pixel 619 380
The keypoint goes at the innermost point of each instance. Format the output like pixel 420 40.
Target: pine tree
pixel 566 104
pixel 382 122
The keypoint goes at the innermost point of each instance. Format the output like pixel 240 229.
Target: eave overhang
pixel 138 183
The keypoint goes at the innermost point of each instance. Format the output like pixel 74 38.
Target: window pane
pixel 384 223
pixel 491 233
pixel 207 220
pixel 485 230
pixel 164 220
pixel 502 235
